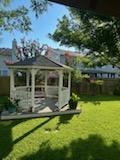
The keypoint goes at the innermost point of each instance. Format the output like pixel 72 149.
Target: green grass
pixel 93 135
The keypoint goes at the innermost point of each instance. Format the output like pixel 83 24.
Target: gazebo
pixel 31 95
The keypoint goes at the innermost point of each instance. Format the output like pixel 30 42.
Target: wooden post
pixel 27 78
pixel 46 79
pixel 33 89
pixel 60 88
pixel 12 85
pixel 69 83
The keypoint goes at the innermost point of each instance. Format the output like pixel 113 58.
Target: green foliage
pixel 98 33
pixel 98 82
pixel 73 101
pixel 75 97
pixel 117 89
pixel 76 75
pixel 18 19
pixel 11 104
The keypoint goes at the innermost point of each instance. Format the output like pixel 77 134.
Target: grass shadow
pixel 32 130
pixel 6 143
pixel 96 100
pixel 6 139
pixel 64 119
pixel 91 148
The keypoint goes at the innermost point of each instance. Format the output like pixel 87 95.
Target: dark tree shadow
pixel 6 143
pixel 64 119
pixel 92 148
pixel 32 130
pixel 6 139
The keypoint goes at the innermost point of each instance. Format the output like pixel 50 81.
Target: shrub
pixel 73 101
pixel 11 105
pixel 116 91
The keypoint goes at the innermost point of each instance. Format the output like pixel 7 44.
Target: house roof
pixel 92 71
pixel 6 51
pixel 62 52
pixel 38 62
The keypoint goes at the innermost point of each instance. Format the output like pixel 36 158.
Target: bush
pixel 73 101
pixel 9 105
pixel 117 89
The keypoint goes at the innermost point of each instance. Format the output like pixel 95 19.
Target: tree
pixel 29 49
pixel 86 30
pixel 18 19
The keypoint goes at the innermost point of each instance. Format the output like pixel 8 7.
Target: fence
pixel 85 87
pixel 4 86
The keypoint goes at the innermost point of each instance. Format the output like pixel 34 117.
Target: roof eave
pixel 33 67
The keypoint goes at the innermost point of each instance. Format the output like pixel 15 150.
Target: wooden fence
pixel 85 87
pixel 4 86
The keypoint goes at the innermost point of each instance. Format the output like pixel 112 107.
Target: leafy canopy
pixel 18 19
pixel 97 33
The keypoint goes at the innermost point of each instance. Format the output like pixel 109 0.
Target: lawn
pixel 93 135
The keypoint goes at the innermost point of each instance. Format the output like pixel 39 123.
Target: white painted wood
pixel 64 96
pixel 46 79
pixel 39 67
pixel 33 88
pixel 12 82
pixel 27 93
pixel 24 96
pixel 60 88
pixel 27 78
pixel 52 91
pixel 69 83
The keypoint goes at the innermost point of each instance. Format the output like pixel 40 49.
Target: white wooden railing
pixel 24 94
pixel 64 96
pixel 52 91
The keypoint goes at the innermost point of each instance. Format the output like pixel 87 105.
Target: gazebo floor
pixel 46 104
pixel 45 107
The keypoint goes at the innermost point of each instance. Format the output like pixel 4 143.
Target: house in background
pixel 107 71
pixel 7 54
pixel 58 55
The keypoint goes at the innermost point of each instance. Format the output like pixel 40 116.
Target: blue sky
pixel 40 27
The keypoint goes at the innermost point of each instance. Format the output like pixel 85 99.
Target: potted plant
pixel 73 102
pixel 13 105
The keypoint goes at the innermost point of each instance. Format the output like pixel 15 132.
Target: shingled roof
pixel 39 61
pixel 6 51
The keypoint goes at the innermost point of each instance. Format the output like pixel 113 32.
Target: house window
pixel 95 75
pixel 5 73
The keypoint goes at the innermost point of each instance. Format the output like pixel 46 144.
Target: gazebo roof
pixel 38 62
